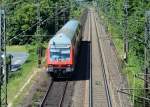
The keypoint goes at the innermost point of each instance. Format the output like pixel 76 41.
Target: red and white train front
pixel 60 56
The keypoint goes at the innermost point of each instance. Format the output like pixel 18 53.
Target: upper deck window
pixel 59 54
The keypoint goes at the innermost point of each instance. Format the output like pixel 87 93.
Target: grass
pixel 133 68
pixel 17 80
pixel 16 48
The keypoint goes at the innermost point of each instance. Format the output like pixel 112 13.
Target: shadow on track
pixel 82 70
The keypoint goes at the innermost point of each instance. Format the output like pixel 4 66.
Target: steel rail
pixel 45 97
pixel 109 101
pixel 90 82
pixel 62 98
pixel 49 90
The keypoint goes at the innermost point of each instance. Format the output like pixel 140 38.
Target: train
pixel 63 49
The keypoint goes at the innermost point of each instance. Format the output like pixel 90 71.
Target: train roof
pixel 69 28
pixel 60 39
pixel 66 33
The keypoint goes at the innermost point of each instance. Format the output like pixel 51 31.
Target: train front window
pixel 60 54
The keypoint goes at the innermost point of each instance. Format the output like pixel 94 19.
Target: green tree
pixel 21 15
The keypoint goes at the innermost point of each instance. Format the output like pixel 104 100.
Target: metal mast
pixel 3 74
pixel 106 7
pixel 147 58
pixel 38 33
pixel 56 17
pixel 38 16
pixel 64 17
pixel 126 44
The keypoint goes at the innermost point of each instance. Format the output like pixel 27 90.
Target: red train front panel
pixel 60 59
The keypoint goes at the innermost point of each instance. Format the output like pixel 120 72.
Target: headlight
pixel 50 68
pixel 68 69
pixel 49 65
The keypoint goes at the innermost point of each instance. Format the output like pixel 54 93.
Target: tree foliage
pixel 22 18
pixel 115 11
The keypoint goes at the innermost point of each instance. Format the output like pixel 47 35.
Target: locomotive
pixel 61 54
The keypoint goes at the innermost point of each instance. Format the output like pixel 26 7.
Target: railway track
pixel 90 81
pixel 104 94
pixel 103 71
pixel 55 94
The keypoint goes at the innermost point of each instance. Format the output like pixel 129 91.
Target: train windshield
pixel 61 54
